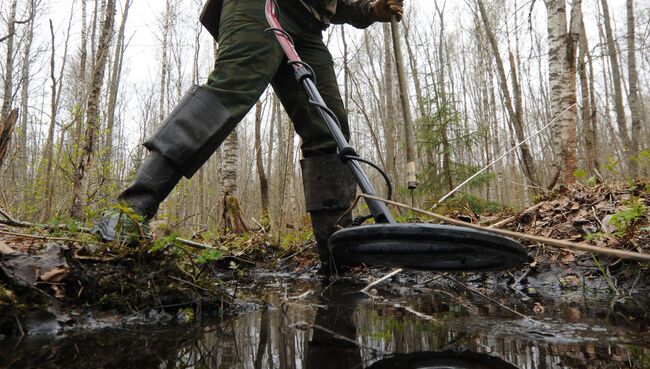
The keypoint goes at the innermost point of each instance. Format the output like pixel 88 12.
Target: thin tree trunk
pixel 444 106
pixel 633 95
pixel 49 143
pixel 92 115
pixel 588 105
pixel 414 71
pixel 7 87
pixel 264 183
pixel 411 181
pixel 24 96
pixel 515 114
pixel 164 66
pixel 616 76
pixel 114 88
pixel 389 102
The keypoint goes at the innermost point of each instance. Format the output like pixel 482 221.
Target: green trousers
pixel 248 59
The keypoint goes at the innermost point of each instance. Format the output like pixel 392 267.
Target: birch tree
pixel 562 42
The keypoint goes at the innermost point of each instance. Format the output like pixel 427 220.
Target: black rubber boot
pixel 156 178
pixel 330 189
pixel 182 144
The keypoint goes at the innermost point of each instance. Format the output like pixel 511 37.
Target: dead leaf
pixel 568 257
pixel 26 270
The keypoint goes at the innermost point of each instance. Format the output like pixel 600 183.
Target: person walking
pixel 248 60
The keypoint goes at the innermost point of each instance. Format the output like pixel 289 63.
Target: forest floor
pixel 54 282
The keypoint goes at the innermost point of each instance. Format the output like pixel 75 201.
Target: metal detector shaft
pixel 304 75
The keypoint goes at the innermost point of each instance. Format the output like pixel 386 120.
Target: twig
pixel 300 297
pixel 486 297
pixel 387 276
pixel 602 226
pixel 39 237
pixel 16 223
pixel 623 254
pixel 303 326
pixel 514 217
pixel 195 244
pixel 420 315
pixel 191 284
pixel 20 327
pixel 295 253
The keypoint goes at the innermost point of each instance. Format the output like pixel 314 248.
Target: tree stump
pixel 232 215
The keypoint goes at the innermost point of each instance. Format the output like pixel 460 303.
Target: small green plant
pixel 209 255
pixel 612 165
pixel 625 220
pixel 592 181
pixel 580 174
pixel 161 243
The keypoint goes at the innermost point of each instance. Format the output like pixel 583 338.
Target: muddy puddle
pixel 288 324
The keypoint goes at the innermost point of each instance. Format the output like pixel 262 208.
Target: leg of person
pixel 328 183
pixel 247 59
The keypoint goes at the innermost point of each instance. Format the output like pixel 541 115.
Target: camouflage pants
pixel 248 59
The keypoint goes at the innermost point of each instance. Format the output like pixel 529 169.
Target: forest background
pixel 84 82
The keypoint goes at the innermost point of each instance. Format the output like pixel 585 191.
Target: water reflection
pixel 336 327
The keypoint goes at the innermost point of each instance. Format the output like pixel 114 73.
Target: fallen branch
pixel 387 276
pixel 623 254
pixel 304 326
pixel 39 237
pixel 11 221
pixel 470 289
pixel 515 217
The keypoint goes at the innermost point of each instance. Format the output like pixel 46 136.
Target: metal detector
pixel 388 243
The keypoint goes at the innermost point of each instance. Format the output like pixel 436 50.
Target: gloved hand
pixel 383 10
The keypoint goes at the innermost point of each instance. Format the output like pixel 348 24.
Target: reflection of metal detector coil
pixel 388 243
pixel 443 359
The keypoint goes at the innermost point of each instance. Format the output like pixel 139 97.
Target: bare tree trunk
pixel 118 58
pixel 414 71
pixel 6 129
pixel 633 95
pixel 264 183
pixel 24 95
pixel 515 114
pixel 49 143
pixel 588 105
pixel 390 119
pixel 346 70
pixel 7 88
pixel 92 115
pixel 164 63
pixel 444 106
pixel 616 76
pixel 411 181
